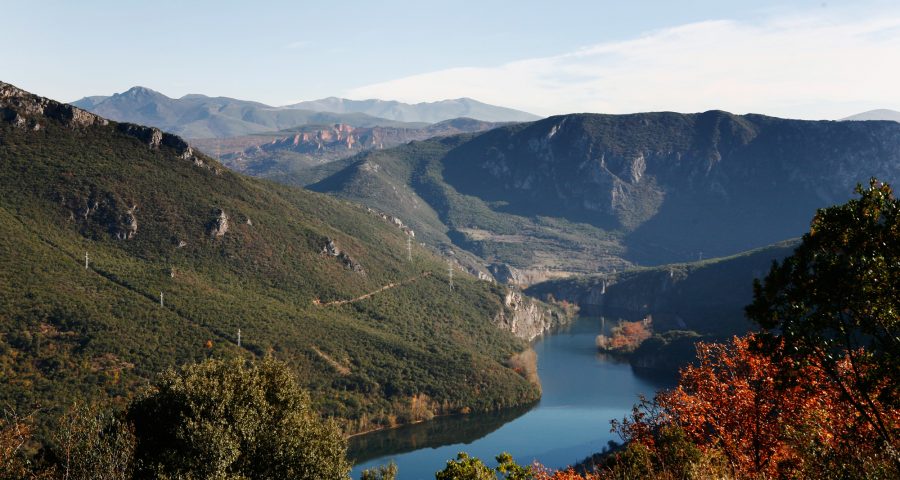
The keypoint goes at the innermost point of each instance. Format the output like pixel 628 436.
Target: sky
pixel 797 59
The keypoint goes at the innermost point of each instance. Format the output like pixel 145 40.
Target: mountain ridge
pixel 126 252
pixel 289 152
pixel 430 112
pixel 883 114
pixel 201 116
pixel 589 193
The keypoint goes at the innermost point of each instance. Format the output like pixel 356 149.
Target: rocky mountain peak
pixel 138 91
pixel 26 110
pixel 29 111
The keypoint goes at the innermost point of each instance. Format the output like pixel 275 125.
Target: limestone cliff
pixel 526 317
pixel 24 110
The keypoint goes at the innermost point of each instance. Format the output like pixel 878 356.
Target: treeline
pixel 814 394
pixel 215 419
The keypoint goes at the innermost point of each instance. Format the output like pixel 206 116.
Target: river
pixel 582 391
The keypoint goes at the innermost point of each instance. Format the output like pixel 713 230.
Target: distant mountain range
pixel 880 114
pixel 199 116
pixel 590 193
pixel 289 154
pixel 429 112
pixel 125 251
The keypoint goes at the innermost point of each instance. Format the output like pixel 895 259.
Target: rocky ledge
pixel 32 112
pixel 24 110
pixel 526 317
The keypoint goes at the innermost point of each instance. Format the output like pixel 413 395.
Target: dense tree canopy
pixel 837 298
pixel 230 419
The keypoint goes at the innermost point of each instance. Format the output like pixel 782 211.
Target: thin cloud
pixel 813 67
pixel 297 45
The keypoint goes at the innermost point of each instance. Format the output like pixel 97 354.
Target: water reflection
pixel 582 391
pixel 435 433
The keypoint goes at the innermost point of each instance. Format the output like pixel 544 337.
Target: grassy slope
pixel 67 331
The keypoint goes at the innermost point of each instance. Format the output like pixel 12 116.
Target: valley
pixel 413 240
pixel 589 194
pixel 142 253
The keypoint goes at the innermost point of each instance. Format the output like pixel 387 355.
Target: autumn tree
pixel 837 299
pixel 15 433
pixel 92 442
pixel 626 336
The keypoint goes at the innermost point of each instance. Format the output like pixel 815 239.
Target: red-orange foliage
pixel 626 336
pixel 541 473
pixel 762 412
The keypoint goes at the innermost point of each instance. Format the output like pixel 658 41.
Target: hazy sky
pixel 811 59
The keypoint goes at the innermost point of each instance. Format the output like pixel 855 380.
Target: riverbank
pixel 582 392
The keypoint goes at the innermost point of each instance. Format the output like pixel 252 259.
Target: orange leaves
pixel 541 473
pixel 731 400
pixel 769 415
pixel 626 336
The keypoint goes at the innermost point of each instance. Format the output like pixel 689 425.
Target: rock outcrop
pixel 219 225
pixel 393 221
pixel 506 274
pixel 99 213
pixel 24 110
pixel 128 226
pixel 331 249
pixel 319 144
pixel 155 138
pixel 527 318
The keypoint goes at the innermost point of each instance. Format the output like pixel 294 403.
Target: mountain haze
pixel 429 112
pixel 880 114
pixel 288 155
pixel 199 116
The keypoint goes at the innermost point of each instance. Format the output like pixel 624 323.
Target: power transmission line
pixel 450 272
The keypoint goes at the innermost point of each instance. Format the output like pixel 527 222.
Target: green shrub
pixel 231 419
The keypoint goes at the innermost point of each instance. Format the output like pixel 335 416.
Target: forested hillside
pixel 125 252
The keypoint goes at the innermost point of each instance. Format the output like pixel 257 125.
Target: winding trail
pixel 389 286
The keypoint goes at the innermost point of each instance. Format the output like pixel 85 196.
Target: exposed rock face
pixel 393 221
pixel 155 138
pixel 99 213
pixel 319 145
pixel 128 227
pixel 527 318
pixel 506 274
pixel 24 110
pixel 331 249
pixel 219 225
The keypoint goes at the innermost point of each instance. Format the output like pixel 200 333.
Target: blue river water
pixel 582 391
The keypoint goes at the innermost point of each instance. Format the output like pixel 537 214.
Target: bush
pixel 231 419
